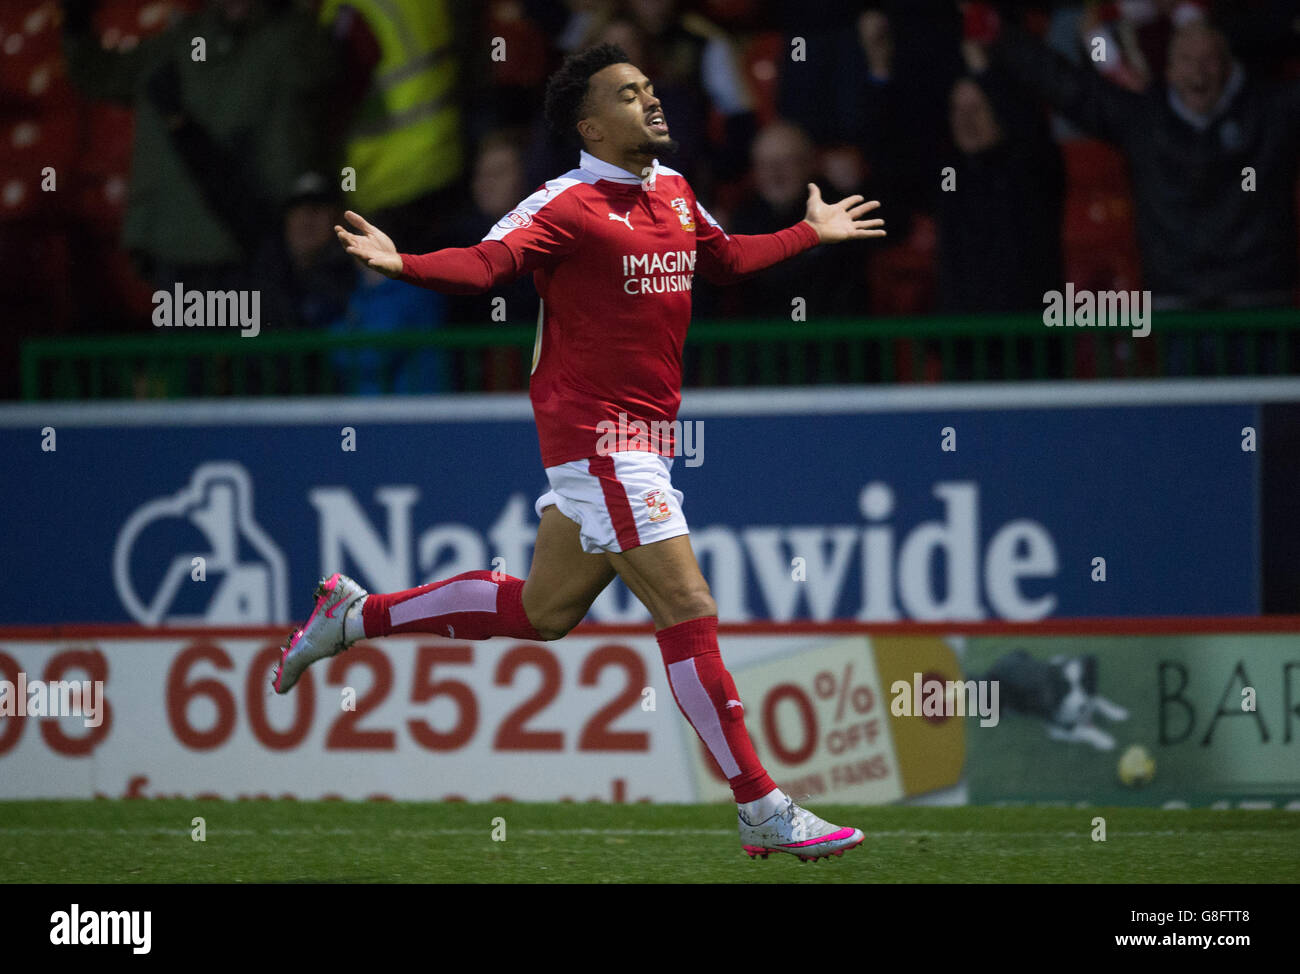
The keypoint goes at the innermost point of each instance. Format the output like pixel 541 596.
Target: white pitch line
pixel 217 831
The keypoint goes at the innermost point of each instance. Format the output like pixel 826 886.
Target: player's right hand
pixel 370 245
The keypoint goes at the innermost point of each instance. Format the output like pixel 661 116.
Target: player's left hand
pixel 842 220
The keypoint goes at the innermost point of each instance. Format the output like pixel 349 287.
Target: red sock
pixel 703 688
pixel 475 605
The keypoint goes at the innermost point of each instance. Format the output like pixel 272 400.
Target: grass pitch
pixel 150 841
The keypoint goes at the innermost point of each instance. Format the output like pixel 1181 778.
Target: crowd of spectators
pixel 215 143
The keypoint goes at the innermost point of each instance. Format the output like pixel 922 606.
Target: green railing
pixel 171 363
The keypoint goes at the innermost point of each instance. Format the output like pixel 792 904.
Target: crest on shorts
pixel 684 213
pixel 657 502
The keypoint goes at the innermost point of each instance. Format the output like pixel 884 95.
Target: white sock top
pixel 761 809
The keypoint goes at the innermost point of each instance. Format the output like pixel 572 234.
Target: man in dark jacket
pixel 1213 162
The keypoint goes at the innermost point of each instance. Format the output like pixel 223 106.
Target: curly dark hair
pixel 566 91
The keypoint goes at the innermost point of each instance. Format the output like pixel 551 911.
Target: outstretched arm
pixel 370 246
pixel 844 220
pixel 544 228
pixel 725 259
pixel 453 270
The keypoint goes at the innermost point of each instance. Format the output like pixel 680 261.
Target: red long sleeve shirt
pixel 613 258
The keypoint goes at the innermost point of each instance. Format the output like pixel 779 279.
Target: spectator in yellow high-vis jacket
pixel 403 143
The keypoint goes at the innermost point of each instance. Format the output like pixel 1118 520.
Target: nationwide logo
pixel 684 213
pixel 249 577
pixel 956 562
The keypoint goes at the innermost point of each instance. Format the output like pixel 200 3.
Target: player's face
pixel 623 112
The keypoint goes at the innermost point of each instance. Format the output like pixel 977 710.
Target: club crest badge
pixel 684 213
pixel 658 505
pixel 515 219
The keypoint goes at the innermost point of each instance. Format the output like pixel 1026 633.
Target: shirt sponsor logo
pixel 658 273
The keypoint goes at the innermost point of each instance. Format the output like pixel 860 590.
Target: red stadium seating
pixel 761 61
pixel 29 147
pixel 1091 164
pixel 1099 241
pixel 124 23
pixel 903 282
pixel 104 163
pixel 903 275
pixel 526 61
pixel 44 121
pixel 731 13
pixel 31 60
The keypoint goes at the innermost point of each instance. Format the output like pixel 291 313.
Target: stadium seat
pixel 19 196
pixel 100 198
pixel 27 146
pixel 1099 241
pixel 732 14
pixel 109 131
pixel 761 61
pixel 525 63
pixel 1091 164
pixel 31 57
pixel 903 276
pixel 125 23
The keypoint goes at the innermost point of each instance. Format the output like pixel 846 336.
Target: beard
pixel 658 148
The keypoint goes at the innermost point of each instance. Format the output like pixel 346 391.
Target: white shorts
pixel 619 501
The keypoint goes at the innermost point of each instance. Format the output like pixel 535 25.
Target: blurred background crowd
pixel 1148 144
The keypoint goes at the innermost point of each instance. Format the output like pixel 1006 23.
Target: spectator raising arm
pixel 1087 99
